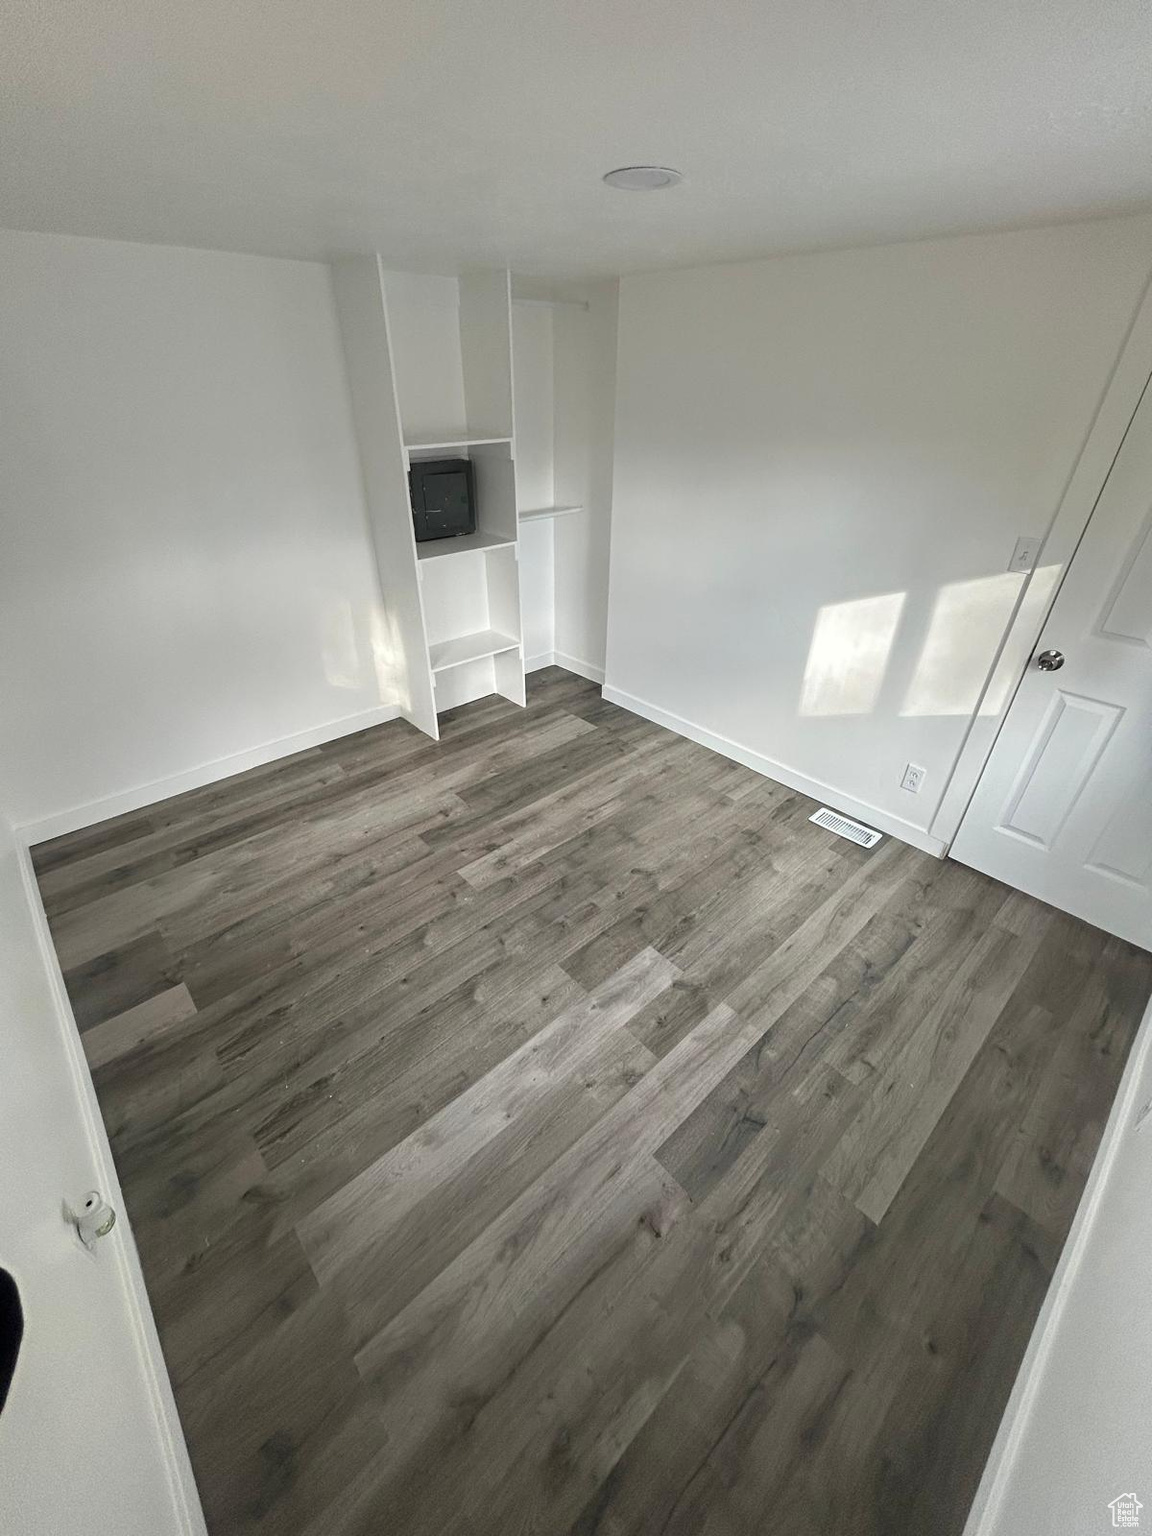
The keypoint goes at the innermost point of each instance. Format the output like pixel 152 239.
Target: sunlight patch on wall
pixel 968 621
pixel 387 657
pixel 848 657
pixel 338 646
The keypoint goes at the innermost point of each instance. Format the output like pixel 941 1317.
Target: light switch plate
pixel 1025 553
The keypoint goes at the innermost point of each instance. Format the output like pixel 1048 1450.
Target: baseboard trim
pixel 884 821
pixel 587 669
pixel 189 1515
pixel 1006 1446
pixel 141 795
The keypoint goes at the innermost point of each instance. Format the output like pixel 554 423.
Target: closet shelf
pixel 422 446
pixel 465 544
pixel 539 512
pixel 454 653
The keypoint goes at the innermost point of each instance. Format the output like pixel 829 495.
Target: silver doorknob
pixel 1050 661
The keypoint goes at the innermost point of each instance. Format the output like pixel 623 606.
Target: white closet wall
pixel 533 365
pixel 375 413
pixel 585 410
pixel 564 352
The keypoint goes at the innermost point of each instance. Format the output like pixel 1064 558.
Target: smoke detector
pixel 644 178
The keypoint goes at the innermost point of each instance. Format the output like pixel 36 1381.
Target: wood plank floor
pixel 551 1131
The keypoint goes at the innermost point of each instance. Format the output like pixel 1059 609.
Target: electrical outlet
pixel 1024 555
pixel 913 778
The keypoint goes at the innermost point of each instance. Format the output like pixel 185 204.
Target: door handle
pixel 1050 661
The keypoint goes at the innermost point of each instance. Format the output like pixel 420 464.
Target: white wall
pixel 822 465
pixel 565 364
pixel 533 369
pixel 186 574
pixel 83 1434
pixel 1075 1436
pixel 532 377
pixel 585 407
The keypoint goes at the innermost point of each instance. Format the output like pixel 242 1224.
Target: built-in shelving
pixel 541 512
pixel 465 544
pixel 423 446
pixel 473 647
pixel 430 366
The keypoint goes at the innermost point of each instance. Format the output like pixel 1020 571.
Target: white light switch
pixel 1024 555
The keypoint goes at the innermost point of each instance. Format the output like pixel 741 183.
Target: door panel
pixel 1065 756
pixel 1128 612
pixel 1124 848
pixel 1063 808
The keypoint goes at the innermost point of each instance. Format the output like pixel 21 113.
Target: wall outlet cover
pixel 914 776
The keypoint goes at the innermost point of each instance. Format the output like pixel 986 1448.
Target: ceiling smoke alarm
pixel 644 178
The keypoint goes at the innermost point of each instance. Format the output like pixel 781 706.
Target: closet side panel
pixel 402 649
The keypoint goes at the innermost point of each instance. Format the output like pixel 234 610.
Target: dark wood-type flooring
pixel 551 1131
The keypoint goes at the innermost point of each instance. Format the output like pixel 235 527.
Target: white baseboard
pixel 188 1515
pixel 140 795
pixel 860 810
pixel 1006 1446
pixel 134 799
pixel 587 669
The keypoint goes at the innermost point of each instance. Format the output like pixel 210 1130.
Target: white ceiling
pixel 446 133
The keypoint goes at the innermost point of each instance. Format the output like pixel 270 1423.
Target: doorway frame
pixel 1124 390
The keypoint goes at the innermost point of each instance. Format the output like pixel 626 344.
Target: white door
pixel 89 1441
pixel 1063 809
